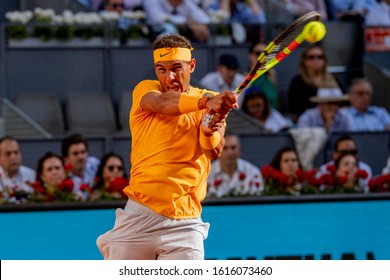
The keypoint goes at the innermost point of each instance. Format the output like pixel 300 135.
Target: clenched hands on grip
pixel 219 106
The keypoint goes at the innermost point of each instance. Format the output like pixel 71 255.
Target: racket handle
pixel 208 119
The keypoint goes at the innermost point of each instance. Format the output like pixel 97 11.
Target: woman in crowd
pixel 348 174
pixel 111 177
pixel 256 105
pixel 286 161
pixel 312 75
pixel 50 175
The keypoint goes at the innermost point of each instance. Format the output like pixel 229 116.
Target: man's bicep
pixel 150 101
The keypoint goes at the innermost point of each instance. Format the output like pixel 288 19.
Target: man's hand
pixel 223 102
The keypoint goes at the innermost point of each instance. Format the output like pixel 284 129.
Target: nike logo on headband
pixel 162 55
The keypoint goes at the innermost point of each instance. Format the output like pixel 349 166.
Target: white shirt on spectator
pixel 90 170
pixel 246 180
pixel 20 182
pixel 379 15
pixel 160 11
pixel 214 81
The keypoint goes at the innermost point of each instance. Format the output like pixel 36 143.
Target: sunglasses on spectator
pixel 311 57
pixel 117 5
pixel 112 167
pixel 349 152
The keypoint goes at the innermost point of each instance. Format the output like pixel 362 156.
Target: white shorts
pixel 140 233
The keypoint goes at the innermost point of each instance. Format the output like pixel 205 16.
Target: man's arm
pixel 212 138
pixel 174 103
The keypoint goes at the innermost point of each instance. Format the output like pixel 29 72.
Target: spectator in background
pixel 232 176
pixel 96 5
pixel 266 82
pixel 345 144
pixel 82 167
pixel 300 7
pixel 164 17
pixel 256 105
pixel 286 161
pixel 327 114
pixel 111 176
pixel 240 11
pixel 14 176
pixel 354 11
pixel 347 166
pixel 366 117
pixel 379 15
pixel 312 75
pixel 50 173
pixel 226 76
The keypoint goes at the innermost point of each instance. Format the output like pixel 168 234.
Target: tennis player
pixel 170 159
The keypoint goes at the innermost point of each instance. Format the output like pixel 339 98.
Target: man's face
pixel 360 96
pixel 329 107
pixel 175 3
pixel 10 156
pixel 231 151
pixel 77 156
pixel 346 146
pixel 227 74
pixel 175 75
pixel 114 6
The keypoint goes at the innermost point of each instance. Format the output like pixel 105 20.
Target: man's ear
pixel 192 65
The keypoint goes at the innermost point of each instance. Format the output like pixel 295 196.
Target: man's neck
pixel 229 168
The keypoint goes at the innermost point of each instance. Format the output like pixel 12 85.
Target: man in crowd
pixel 366 117
pixel 14 176
pixel 82 167
pixel 232 176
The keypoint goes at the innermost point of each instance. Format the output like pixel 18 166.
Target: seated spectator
pixel 266 82
pixel 312 75
pixel 354 11
pixel 232 176
pixel 14 177
pixel 82 167
pixel 240 11
pixel 118 11
pixel 379 15
pixel 111 177
pixel 345 144
pixel 284 175
pixel 50 174
pixel 97 5
pixel 327 114
pixel 286 161
pixel 164 17
pixel 366 117
pixel 226 76
pixel 256 105
pixel 300 7
pixel 346 171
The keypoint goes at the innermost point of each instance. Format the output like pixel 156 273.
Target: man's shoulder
pixel 26 170
pixel 246 164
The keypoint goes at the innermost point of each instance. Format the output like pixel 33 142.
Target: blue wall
pixel 258 231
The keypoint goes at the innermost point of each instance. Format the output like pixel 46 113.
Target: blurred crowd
pixel 316 99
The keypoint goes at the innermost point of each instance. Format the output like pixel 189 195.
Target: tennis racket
pixel 283 45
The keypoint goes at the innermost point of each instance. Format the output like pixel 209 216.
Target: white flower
pixel 19 17
pixel 134 14
pixel 109 16
pixel 46 15
pixel 82 18
pixel 218 16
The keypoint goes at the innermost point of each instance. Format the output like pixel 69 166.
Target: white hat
pixel 329 95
